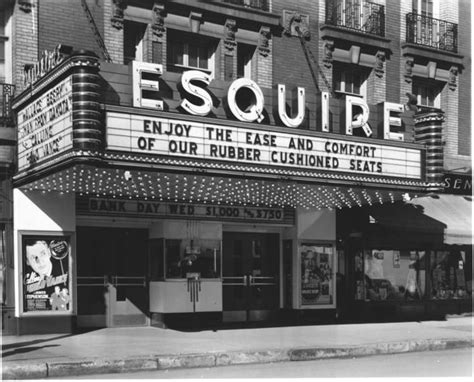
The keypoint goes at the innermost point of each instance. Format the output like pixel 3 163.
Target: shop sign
pixel 197 100
pixel 145 208
pixel 46 277
pixel 180 138
pixel 45 125
pixel 317 278
pixel 457 184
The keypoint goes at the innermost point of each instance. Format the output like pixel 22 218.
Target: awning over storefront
pixel 454 211
pixel 447 218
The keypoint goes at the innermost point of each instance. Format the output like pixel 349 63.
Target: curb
pixel 43 370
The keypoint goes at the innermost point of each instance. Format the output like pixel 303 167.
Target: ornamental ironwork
pixel 255 4
pixel 432 33
pixel 363 16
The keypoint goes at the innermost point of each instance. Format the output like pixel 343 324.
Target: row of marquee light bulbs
pixel 107 183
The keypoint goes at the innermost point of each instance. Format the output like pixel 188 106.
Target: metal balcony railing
pixel 431 32
pixel 255 4
pixel 6 97
pixel 362 16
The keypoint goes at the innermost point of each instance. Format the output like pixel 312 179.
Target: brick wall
pixel 25 42
pixel 321 18
pixel 290 66
pixel 394 63
pixel 449 10
pixel 449 103
pixel 405 87
pixel 265 68
pixel 376 88
pixel 113 37
pixel 464 79
pixel 65 22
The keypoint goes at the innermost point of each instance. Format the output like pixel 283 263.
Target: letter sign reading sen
pixel 195 83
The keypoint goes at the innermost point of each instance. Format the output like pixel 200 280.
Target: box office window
pixel 451 274
pixel 390 275
pixel 184 256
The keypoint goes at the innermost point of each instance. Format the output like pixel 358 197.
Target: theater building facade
pixel 210 163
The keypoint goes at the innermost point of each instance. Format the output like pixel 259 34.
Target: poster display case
pixel 46 271
pixel 316 284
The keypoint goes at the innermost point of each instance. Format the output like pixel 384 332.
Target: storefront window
pixel 450 275
pixel 185 256
pixel 389 275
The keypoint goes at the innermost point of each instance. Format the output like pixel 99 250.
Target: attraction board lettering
pixel 180 138
pixel 45 125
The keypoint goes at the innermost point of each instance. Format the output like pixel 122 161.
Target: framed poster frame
pixel 52 293
pixel 326 268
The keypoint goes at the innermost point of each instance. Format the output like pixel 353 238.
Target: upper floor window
pixel 360 15
pixel 244 60
pixel 188 51
pixel 133 34
pixel 425 28
pixel 428 92
pixel 425 8
pixel 348 78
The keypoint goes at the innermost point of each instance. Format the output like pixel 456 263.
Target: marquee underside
pixel 195 188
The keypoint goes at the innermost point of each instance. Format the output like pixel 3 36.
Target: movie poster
pixel 316 275
pixel 46 273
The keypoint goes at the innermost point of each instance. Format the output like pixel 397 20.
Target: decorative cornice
pixel 118 8
pixel 158 21
pixel 230 28
pixel 264 41
pixel 328 50
pixel 295 23
pixel 453 75
pixel 379 63
pixel 25 5
pixel 409 63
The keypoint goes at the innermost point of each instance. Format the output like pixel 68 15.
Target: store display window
pixel 185 256
pixel 451 276
pixel 390 275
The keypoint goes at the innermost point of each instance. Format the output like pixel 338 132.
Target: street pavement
pixel 127 349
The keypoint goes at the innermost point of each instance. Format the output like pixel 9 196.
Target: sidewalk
pixel 115 350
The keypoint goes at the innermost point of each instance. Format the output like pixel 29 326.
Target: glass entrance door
pixel 111 283
pixel 250 276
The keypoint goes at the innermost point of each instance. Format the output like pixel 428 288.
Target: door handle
pixel 250 280
pixel 245 280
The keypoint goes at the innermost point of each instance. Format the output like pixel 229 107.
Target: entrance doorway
pixel 111 282
pixel 250 276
